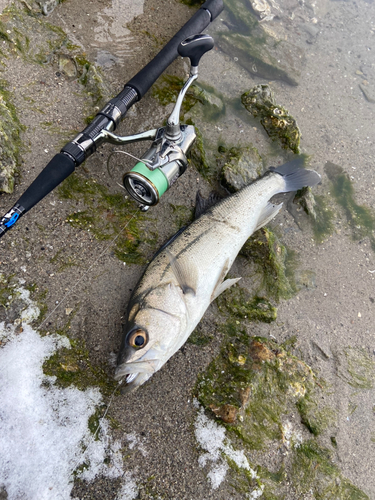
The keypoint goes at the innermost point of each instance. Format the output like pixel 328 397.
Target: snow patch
pixel 129 490
pixel 211 437
pixel 43 428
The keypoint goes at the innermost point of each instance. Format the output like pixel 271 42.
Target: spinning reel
pixel 166 160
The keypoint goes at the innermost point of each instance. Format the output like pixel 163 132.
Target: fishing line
pixel 78 461
pixel 142 160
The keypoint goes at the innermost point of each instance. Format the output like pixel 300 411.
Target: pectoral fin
pixel 185 273
pixel 267 214
pixel 224 285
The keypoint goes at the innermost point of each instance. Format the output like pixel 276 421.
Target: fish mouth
pixel 132 381
pixel 130 377
pixel 135 374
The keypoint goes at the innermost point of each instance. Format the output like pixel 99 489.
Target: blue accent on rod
pixel 12 220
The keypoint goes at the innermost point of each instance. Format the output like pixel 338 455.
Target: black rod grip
pixel 214 6
pixel 58 169
pixel 143 80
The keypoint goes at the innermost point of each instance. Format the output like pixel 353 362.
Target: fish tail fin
pixel 296 177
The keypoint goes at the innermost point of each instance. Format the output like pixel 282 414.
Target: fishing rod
pixel 166 160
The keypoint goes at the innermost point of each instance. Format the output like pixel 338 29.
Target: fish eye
pixel 138 339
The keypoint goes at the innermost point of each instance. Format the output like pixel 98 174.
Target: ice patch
pixel 136 441
pixel 129 490
pixel 211 437
pixel 43 428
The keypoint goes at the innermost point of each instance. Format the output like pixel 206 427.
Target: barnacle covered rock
pixel 276 120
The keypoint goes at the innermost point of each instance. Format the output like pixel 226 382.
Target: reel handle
pixel 194 47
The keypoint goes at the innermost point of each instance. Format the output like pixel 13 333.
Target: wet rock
pixel 311 31
pixel 241 305
pixel 368 92
pixel 360 218
pixel 276 120
pixel 263 9
pixel 252 374
pixel 274 262
pixel 212 102
pixel 10 142
pixel 48 6
pixel 306 199
pixel 243 166
pixel 264 56
pixel 30 36
pixel 318 210
pixel 96 87
pixel 242 17
pixel 260 388
pixel 67 65
pixel 227 413
pixel 305 279
pixel 201 154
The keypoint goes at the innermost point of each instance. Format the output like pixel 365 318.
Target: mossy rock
pixel 254 381
pixel 27 34
pixel 274 262
pixel 211 101
pixel 256 388
pixel 72 366
pixel 241 305
pixel 320 214
pixel 276 120
pixel 243 166
pixel 108 216
pixel 360 218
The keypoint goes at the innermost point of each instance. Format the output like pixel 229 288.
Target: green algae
pixel 182 215
pixel 73 366
pixel 10 140
pixel 255 49
pixel 167 89
pixel 199 155
pixel 257 377
pixel 29 36
pixel 276 120
pixel 200 337
pixel 7 290
pixel 241 305
pixel 321 216
pixel 94 421
pixel 242 165
pixel 63 262
pixel 275 263
pixel 316 420
pixel 108 217
pixel 356 367
pixel 361 219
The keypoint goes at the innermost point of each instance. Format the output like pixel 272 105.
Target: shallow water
pixel 333 320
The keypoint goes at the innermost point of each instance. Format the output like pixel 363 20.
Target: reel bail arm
pixel 166 160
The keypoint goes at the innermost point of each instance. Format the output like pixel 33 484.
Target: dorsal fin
pixel 203 204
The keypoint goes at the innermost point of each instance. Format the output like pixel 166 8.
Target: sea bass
pixel 189 273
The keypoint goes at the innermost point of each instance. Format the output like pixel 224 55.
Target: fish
pixel 189 272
